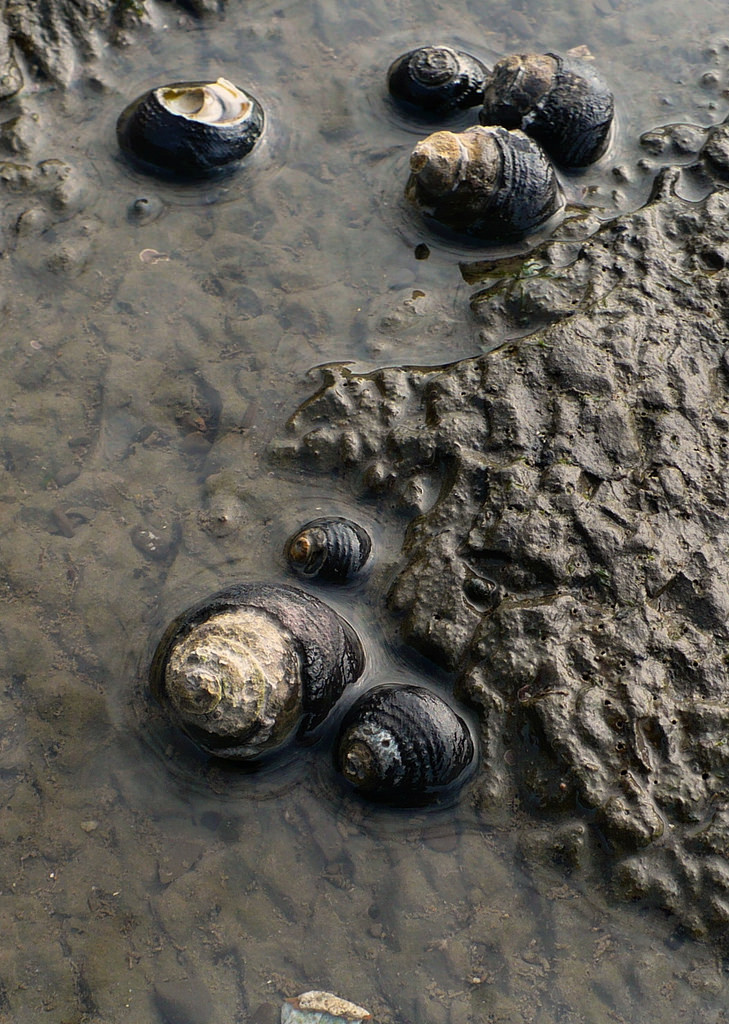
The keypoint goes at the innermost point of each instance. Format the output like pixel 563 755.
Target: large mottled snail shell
pixel 560 101
pixel 403 744
pixel 332 549
pixel 250 667
pixel 437 80
pixel 485 182
pixel 191 129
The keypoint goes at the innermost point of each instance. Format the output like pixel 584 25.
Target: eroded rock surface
pixel 568 549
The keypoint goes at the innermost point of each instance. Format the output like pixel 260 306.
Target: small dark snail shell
pixel 437 80
pixel 489 183
pixel 190 129
pixel 561 102
pixel 251 667
pixel 403 744
pixel 332 549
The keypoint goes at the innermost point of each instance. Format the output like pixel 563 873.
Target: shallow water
pixel 146 365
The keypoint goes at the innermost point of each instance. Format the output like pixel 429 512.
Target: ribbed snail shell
pixel 437 80
pixel 249 668
pixel 489 183
pixel 190 129
pixel 332 549
pixel 403 744
pixel 561 102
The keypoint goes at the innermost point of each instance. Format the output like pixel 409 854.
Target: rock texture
pixel 568 549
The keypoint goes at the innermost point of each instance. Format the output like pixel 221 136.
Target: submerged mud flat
pixel 154 339
pixel 567 547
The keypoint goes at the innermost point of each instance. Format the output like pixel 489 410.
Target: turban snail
pixel 488 183
pixel 190 129
pixel 561 102
pixel 403 744
pixel 436 80
pixel 332 549
pixel 251 667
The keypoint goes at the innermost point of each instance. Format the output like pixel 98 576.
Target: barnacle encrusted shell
pixel 252 666
pixel 403 744
pixel 562 102
pixel 321 1008
pixel 190 129
pixel 330 548
pixel 437 80
pixel 489 183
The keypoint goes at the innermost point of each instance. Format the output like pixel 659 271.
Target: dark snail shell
pixel 403 744
pixel 489 183
pixel 437 80
pixel 190 129
pixel 251 667
pixel 333 549
pixel 561 102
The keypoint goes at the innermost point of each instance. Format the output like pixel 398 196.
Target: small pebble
pixel 66 475
pixel 154 544
pixel 145 210
pixel 62 522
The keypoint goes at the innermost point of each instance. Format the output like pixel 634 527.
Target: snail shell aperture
pixel 437 80
pixel 252 666
pixel 561 102
pixel 190 129
pixel 489 183
pixel 403 744
pixel 333 549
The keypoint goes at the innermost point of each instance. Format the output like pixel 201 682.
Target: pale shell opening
pixel 213 103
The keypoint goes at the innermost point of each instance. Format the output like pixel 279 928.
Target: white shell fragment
pixel 321 1008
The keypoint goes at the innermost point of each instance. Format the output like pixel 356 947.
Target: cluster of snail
pixel 257 667
pixel 496 180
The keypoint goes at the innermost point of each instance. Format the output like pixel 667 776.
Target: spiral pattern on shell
pixel 561 102
pixel 190 129
pixel 332 549
pixel 250 667
pixel 488 183
pixel 403 744
pixel 437 80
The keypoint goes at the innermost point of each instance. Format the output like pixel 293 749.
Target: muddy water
pixel 155 338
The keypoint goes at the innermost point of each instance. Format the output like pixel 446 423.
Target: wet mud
pixel 565 554
pixel 559 549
